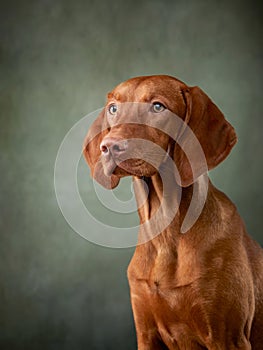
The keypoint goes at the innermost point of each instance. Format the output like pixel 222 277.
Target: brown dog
pixel 202 289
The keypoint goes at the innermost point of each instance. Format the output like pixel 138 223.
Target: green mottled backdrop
pixel 58 60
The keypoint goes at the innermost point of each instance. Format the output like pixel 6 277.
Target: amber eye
pixel 158 107
pixel 113 109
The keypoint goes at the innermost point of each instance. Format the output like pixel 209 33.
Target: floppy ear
pixel 215 135
pixel 92 153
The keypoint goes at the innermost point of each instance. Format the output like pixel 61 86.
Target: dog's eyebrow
pixel 110 95
pixel 147 97
pixel 115 96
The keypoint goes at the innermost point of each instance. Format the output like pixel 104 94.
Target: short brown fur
pixel 202 289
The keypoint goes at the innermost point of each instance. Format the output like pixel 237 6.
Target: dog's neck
pixel 163 210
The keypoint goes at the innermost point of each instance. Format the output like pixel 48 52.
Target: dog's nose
pixel 113 145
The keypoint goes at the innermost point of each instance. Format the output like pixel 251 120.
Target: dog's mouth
pixel 135 161
pixel 109 166
pixel 134 167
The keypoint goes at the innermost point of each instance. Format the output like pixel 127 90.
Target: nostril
pixel 119 147
pixel 104 148
pixel 113 146
pixel 116 148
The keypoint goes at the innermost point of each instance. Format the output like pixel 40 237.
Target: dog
pixel 192 290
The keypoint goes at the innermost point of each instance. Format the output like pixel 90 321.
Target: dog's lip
pixel 109 166
pixel 129 166
pixel 132 167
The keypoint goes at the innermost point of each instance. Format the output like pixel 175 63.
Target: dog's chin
pixel 130 167
pixel 134 167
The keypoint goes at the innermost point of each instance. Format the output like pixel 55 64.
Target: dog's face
pixel 136 112
pixel 142 123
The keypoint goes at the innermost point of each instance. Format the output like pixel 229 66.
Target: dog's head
pixel 147 118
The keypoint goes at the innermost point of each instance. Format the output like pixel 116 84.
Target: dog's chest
pixel 164 270
pixel 166 285
pixel 165 292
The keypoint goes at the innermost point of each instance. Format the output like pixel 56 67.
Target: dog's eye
pixel 113 109
pixel 158 107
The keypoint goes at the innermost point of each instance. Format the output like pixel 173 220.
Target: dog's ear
pixel 214 134
pixel 92 153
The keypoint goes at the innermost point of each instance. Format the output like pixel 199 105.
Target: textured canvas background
pixel 58 60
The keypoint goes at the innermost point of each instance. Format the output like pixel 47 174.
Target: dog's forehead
pixel 144 89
